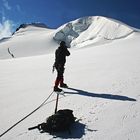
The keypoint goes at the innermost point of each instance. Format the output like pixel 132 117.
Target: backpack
pixel 60 121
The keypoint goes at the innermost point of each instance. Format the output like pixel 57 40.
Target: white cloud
pixel 6 5
pixel 6 25
pixel 6 28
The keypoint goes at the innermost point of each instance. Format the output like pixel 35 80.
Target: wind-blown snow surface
pixel 104 89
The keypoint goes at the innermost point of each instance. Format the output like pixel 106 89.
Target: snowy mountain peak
pixel 92 29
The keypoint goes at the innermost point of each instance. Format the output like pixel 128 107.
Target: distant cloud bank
pixel 6 25
pixel 6 28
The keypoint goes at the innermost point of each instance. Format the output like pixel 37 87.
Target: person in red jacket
pixel 60 60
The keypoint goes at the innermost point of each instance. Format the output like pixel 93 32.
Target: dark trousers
pixel 60 78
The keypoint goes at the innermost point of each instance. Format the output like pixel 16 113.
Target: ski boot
pixel 56 89
pixel 63 85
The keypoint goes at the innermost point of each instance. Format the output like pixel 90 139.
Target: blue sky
pixel 57 12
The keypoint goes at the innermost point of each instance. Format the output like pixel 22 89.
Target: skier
pixel 60 60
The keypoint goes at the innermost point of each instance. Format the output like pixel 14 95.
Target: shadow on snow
pixel 99 95
pixel 77 130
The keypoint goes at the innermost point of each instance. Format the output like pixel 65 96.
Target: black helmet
pixel 62 43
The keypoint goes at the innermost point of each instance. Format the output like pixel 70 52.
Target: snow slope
pixel 104 88
pixel 28 41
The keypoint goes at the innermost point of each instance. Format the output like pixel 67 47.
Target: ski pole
pixel 56 102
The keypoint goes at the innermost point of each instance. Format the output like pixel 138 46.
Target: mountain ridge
pixel 35 24
pixel 82 32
